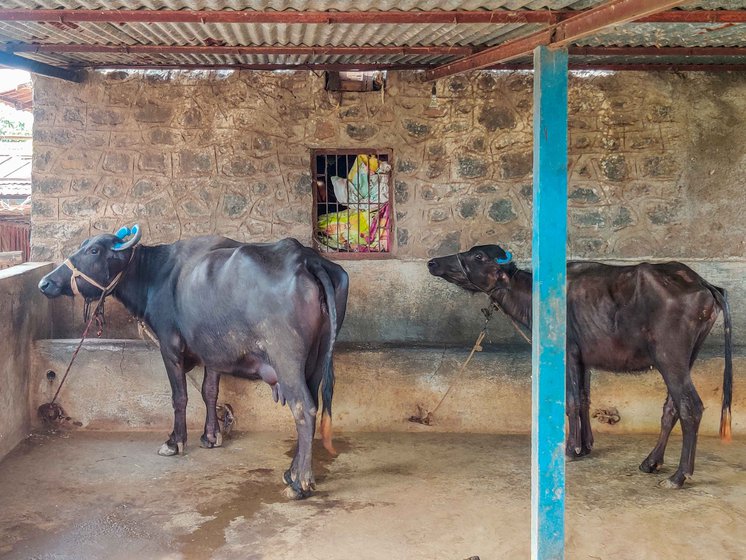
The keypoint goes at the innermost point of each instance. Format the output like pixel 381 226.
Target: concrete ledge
pixel 399 302
pixel 122 385
pixel 25 317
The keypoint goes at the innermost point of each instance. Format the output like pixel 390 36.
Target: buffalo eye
pixel 94 251
pixel 479 257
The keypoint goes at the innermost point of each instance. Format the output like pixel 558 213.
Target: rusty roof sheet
pixel 20 97
pixel 10 188
pixel 478 36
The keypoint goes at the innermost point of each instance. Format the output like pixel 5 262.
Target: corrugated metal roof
pixel 670 35
pixel 15 158
pixel 15 169
pixel 308 5
pixel 15 188
pixel 451 34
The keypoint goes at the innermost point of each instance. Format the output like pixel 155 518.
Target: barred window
pixel 353 213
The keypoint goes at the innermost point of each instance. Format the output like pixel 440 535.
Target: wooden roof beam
pixel 348 17
pixel 361 51
pixel 332 67
pixel 657 51
pixel 243 50
pixel 342 67
pixel 18 62
pixel 281 17
pixel 635 67
pixel 612 12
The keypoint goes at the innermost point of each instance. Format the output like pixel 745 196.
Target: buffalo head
pixel 483 268
pixel 100 259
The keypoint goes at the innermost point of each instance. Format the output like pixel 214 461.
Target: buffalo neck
pixel 515 299
pixel 134 288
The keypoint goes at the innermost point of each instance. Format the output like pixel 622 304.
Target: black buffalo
pixel 267 311
pixel 619 318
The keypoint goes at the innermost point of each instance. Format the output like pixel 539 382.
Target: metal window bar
pixel 359 226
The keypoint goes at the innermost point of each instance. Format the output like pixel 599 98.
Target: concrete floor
pixel 87 495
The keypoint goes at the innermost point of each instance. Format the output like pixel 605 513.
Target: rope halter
pixel 134 233
pixel 105 290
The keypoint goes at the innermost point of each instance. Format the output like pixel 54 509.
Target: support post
pixel 549 259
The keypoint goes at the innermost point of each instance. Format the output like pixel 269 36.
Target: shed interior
pixel 208 117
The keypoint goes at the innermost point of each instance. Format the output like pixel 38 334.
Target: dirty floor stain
pixel 86 495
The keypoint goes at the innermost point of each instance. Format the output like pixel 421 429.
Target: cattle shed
pixel 383 134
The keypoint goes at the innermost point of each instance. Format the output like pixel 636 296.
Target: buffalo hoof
pixel 675 482
pixel 650 467
pixel 576 453
pixel 207 444
pixel 295 492
pixel 292 494
pixel 169 450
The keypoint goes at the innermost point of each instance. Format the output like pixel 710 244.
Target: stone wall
pixel 656 168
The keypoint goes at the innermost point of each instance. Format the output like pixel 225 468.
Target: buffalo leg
pixel 690 414
pixel 689 407
pixel 299 476
pixel 177 378
pixel 573 447
pixel 585 412
pixel 669 418
pixel 314 374
pixel 210 386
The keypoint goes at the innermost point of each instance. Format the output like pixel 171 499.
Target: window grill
pixel 353 213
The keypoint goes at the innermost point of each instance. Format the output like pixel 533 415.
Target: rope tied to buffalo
pixel 51 412
pixel 427 417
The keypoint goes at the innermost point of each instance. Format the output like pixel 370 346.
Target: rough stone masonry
pixel 657 164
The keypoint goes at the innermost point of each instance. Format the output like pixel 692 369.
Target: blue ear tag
pixel 506 260
pixel 123 233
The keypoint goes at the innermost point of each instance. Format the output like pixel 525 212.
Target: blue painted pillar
pixel 549 259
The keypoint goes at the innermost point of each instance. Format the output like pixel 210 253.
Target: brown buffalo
pixel 619 318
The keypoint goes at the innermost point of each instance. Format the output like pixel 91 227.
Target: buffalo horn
pixel 136 234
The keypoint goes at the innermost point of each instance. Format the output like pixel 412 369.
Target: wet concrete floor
pixel 87 495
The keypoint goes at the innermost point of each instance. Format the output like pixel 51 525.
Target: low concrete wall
pixel 399 302
pixel 25 317
pixel 406 318
pixel 122 385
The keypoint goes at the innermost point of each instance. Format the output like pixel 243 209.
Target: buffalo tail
pixel 721 296
pixel 327 388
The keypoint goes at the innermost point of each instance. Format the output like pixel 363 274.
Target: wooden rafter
pixel 360 51
pixel 612 12
pixel 348 17
pixel 636 67
pixel 244 50
pixel 657 51
pixel 332 67
pixel 348 67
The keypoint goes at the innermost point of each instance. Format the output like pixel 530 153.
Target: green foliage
pixel 10 127
pixel 14 123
